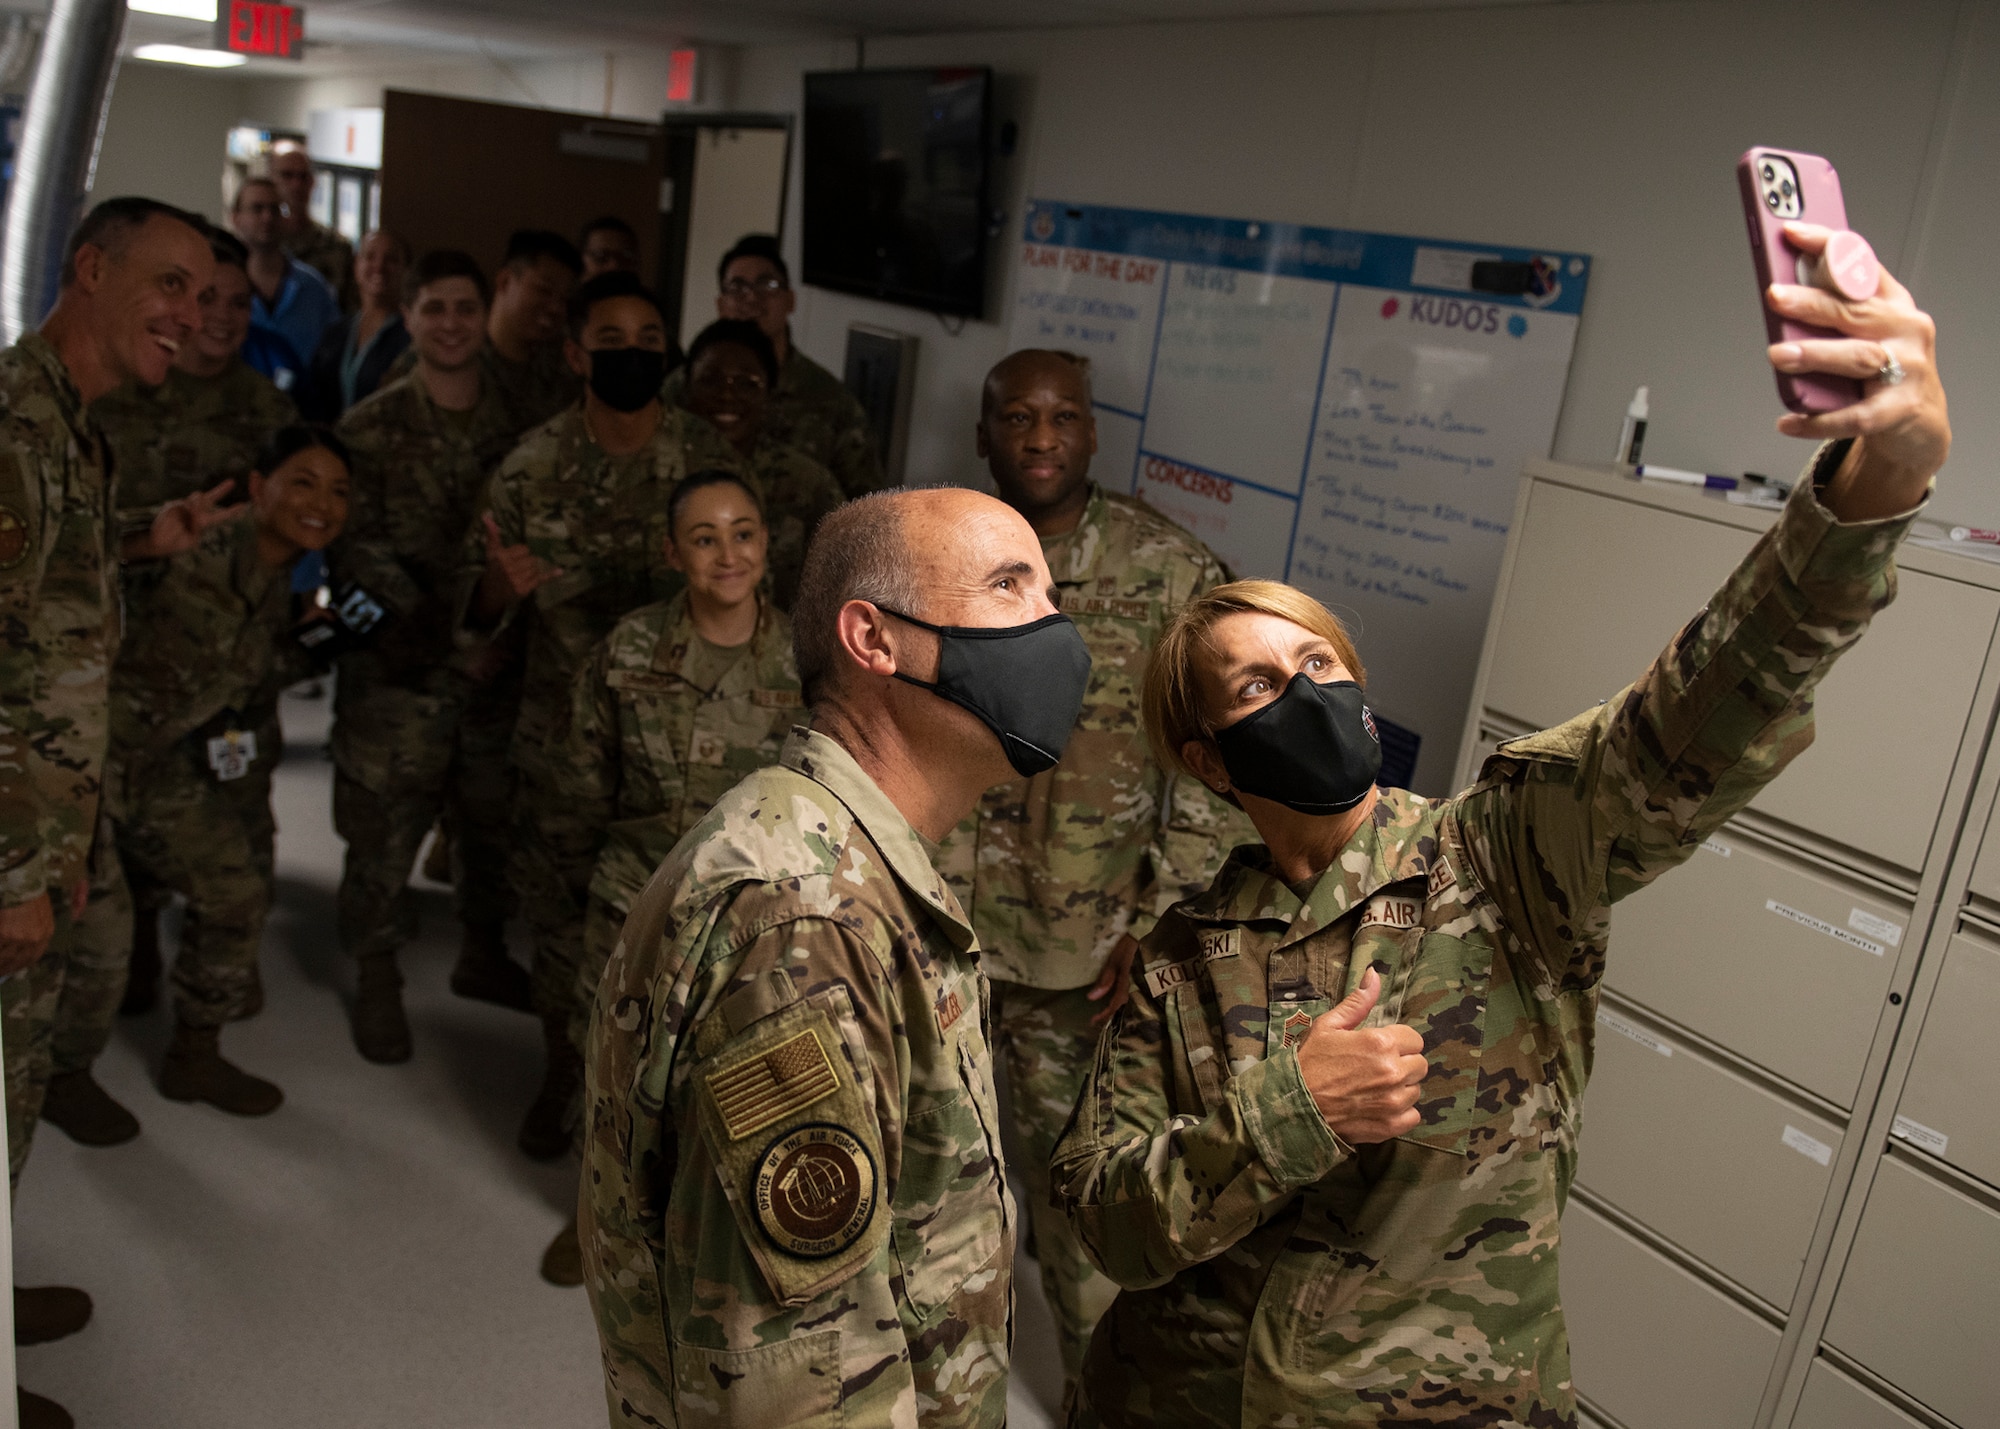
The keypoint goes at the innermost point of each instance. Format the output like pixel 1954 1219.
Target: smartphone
pixel 1779 186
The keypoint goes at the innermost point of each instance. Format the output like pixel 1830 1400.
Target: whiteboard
pixel 1338 410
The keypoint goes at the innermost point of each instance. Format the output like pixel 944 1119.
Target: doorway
pixel 725 177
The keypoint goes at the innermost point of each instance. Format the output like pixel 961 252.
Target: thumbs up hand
pixel 1364 1081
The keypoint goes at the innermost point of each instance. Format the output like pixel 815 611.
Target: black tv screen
pixel 895 185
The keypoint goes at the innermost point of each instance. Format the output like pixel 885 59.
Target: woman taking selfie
pixel 681 702
pixel 1326 1144
pixel 207 642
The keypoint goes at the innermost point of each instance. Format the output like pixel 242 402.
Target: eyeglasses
pixel 745 288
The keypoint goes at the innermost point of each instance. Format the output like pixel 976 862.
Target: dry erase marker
pixel 1688 478
pixel 1975 536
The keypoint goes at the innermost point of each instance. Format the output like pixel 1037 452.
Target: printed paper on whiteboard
pixel 1339 410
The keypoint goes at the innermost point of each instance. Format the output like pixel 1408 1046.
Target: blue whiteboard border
pixel 1332 255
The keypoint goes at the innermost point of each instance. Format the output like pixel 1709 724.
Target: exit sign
pixel 255 27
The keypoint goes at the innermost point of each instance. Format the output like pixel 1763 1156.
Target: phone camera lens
pixel 1785 188
pixel 1771 200
pixel 1769 173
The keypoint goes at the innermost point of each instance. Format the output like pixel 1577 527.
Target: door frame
pixel 680 133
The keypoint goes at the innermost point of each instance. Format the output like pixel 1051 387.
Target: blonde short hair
pixel 1173 703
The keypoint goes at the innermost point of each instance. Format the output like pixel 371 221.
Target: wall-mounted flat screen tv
pixel 895 185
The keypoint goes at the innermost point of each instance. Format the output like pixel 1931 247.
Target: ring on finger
pixel 1890 373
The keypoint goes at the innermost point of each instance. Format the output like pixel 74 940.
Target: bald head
pixel 942 554
pixel 1037 434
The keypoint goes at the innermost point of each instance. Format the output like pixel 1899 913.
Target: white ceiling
pixel 343 35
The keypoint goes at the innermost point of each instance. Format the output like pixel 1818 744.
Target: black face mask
pixel 627 378
pixel 1025 682
pixel 1313 749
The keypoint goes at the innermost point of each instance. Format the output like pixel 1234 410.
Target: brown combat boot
pixel 48 1312
pixel 86 1112
pixel 37 1412
pixel 485 972
pixel 562 1262
pixel 545 1131
pixel 142 981
pixel 195 1071
pixel 381 1030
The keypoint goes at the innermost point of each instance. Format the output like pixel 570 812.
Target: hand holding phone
pixel 1778 188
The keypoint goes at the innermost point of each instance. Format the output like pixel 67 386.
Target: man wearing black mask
pixel 573 540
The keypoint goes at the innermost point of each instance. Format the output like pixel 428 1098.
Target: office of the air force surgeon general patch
pixel 814 1191
pixel 13 538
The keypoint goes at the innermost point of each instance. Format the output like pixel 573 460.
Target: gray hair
pixel 857 553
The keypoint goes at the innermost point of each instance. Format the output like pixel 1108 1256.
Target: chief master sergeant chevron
pixel 793 1209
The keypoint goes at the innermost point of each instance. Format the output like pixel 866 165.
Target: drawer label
pixel 1637 1034
pixel 1917 1134
pixel 1820 925
pixel 1810 1147
pixel 1717 846
pixel 1862 921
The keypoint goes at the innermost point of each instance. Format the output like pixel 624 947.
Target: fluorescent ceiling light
pixel 179 9
pixel 183 55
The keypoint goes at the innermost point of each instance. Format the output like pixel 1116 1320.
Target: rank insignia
pixel 1295 1029
pixel 814 1191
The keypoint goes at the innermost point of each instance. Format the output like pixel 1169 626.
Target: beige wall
pixel 1610 129
pixel 165 136
pixel 1606 128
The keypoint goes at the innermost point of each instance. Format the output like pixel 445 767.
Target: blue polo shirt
pixel 306 306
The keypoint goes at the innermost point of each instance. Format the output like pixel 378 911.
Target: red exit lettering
pixel 256 27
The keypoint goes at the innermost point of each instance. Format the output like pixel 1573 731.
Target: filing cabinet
pixel 1919 1300
pixel 1950 1105
pixel 1761 951
pixel 1599 580
pixel 1793 1001
pixel 1834 1400
pixel 1665 1130
pixel 1651 1345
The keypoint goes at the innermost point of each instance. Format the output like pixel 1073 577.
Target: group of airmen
pixel 829 809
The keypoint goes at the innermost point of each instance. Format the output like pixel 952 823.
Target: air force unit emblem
pixel 814 1191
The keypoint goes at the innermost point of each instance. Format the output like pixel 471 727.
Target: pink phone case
pixel 1779 185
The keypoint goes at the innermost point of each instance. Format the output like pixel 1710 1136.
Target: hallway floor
pixel 366 1256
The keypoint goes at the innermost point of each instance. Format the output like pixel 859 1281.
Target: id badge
pixel 231 754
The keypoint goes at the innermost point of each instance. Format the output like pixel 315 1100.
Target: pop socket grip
pixel 1847 269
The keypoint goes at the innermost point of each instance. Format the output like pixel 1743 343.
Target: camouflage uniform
pixel 534 391
pixel 58 630
pixel 1055 869
pixel 812 410
pixel 793 1210
pixel 401 748
pixel 602 521
pixel 331 256
pixel 168 442
pixel 1277 1275
pixel 187 434
pixel 658 730
pixel 207 638
pixel 798 492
